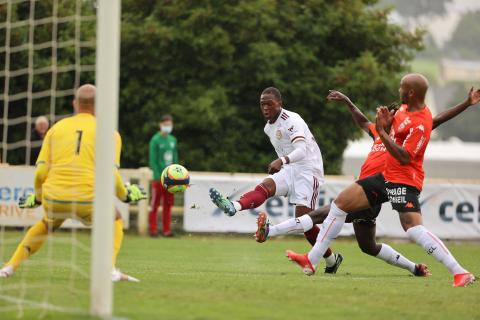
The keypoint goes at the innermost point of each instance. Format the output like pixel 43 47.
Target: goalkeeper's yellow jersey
pixel 68 155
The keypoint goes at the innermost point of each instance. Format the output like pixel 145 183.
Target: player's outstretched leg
pixel 117 239
pixel 30 244
pixel 411 222
pixel 328 231
pixel 351 199
pixel 117 275
pixel 311 231
pixel 365 233
pixel 289 226
pixel 222 202
pixel 249 200
pixel 294 225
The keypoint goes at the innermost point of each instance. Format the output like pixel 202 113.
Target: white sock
pixel 330 260
pixel 293 225
pixel 390 256
pixel 435 247
pixel 237 205
pixel 306 222
pixel 330 229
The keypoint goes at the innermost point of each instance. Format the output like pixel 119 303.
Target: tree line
pixel 206 63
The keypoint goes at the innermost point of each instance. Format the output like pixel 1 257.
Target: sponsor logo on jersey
pixel 404 123
pixel 420 144
pixel 378 147
pixel 290 129
pixel 397 195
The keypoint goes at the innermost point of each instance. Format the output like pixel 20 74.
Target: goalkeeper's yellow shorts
pixel 56 211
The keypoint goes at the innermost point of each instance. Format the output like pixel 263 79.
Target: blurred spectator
pixel 162 153
pixel 36 138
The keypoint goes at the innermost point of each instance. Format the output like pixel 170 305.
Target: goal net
pixel 47 50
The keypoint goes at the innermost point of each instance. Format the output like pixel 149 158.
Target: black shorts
pixel 404 198
pixel 367 216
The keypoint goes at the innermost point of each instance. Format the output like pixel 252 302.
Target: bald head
pixel 413 87
pixel 41 120
pixel 41 125
pixel 85 98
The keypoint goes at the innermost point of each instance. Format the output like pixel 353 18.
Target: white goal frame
pixel 107 82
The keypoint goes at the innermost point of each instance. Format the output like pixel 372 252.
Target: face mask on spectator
pixel 166 129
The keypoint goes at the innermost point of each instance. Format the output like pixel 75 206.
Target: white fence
pixel 451 208
pixel 16 181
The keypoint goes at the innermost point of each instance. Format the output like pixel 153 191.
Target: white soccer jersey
pixel 284 131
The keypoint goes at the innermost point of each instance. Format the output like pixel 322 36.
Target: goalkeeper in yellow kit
pixel 64 181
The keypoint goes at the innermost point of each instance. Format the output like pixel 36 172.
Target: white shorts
pixel 300 186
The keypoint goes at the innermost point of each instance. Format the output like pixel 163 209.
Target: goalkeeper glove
pixel 28 201
pixel 135 193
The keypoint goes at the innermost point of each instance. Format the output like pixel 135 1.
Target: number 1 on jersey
pixel 79 140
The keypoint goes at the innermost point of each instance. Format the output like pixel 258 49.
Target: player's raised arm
pixel 472 99
pixel 360 119
pixel 126 193
pixel 120 189
pixel 42 166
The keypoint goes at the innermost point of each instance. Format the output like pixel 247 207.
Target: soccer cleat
pixel 338 261
pixel 117 275
pixel 302 261
pixel 6 272
pixel 262 228
pixel 463 279
pixel 421 270
pixel 222 202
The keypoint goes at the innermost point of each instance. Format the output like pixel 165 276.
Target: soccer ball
pixel 175 178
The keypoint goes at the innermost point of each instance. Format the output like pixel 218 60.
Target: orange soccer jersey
pixel 412 131
pixel 375 162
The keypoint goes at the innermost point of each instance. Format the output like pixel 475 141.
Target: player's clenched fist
pixel 334 95
pixel 275 166
pixel 383 119
pixel 473 96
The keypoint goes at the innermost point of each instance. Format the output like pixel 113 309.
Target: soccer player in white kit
pixel 296 174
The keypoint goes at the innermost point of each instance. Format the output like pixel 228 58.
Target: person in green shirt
pixel 162 153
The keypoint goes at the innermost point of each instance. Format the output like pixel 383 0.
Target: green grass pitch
pixel 233 277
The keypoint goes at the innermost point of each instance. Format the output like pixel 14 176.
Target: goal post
pixel 107 82
pixel 47 49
